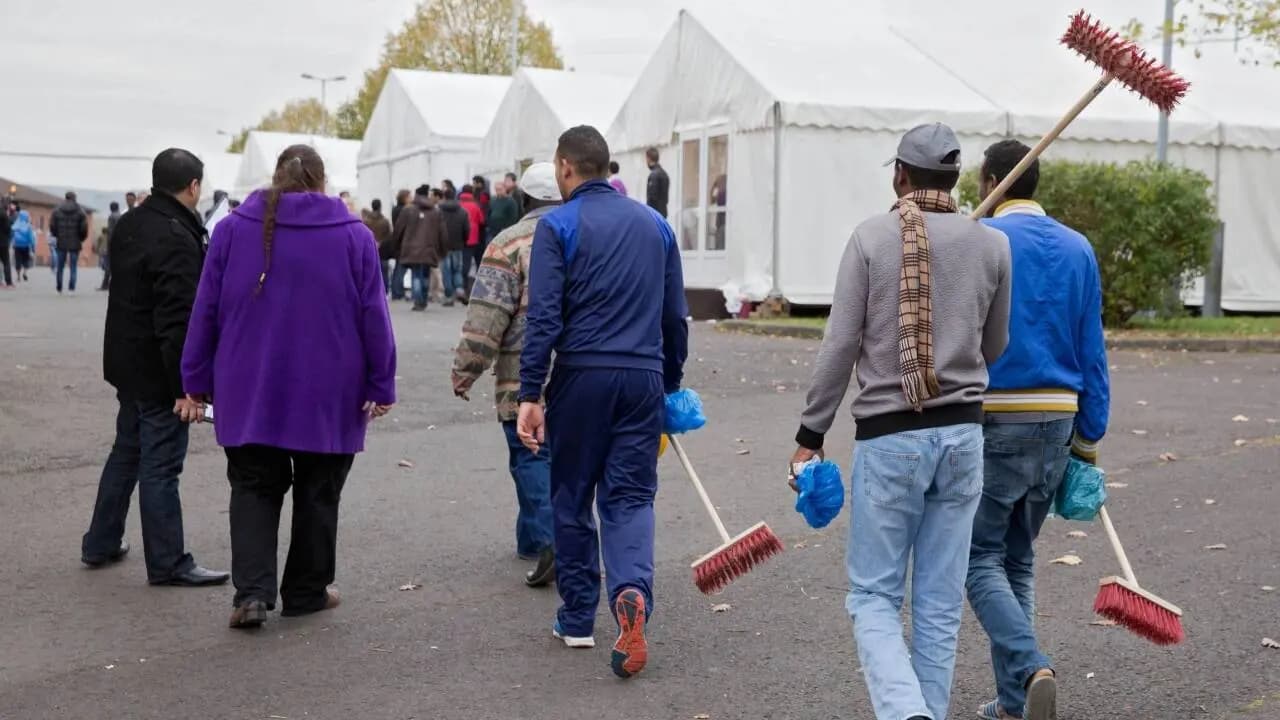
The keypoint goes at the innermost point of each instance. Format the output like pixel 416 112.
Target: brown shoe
pixel 331 599
pixel 249 615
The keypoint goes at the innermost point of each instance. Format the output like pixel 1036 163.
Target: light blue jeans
pixel 914 494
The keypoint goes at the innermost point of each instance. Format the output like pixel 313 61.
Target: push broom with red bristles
pixel 1122 600
pixel 1121 61
pixel 737 555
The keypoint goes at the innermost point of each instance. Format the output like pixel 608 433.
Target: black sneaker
pixel 544 572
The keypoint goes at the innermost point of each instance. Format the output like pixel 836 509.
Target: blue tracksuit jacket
pixel 606 290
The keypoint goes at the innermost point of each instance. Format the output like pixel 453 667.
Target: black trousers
pixel 260 476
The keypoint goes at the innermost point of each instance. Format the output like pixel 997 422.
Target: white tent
pixel 220 171
pixel 262 149
pixel 541 104
pixel 426 127
pixel 798 116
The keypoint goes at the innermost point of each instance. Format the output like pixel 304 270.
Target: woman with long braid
pixel 290 337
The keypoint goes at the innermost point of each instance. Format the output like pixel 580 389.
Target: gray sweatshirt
pixel 971 275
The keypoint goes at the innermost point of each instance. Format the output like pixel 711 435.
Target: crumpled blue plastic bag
pixel 1082 492
pixel 684 412
pixel 821 493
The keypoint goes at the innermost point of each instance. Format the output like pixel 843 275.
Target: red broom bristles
pixel 1139 614
pixel 1124 60
pixel 737 558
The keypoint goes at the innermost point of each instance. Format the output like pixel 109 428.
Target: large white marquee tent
pixel 539 106
pixel 797 117
pixel 426 127
pixel 262 149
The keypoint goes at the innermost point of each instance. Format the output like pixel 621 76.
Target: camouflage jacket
pixel 494 331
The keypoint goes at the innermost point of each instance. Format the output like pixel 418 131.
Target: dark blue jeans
pixel 419 283
pixel 1023 466
pixel 397 281
pixel 66 258
pixel 532 475
pixel 150 447
pixel 452 270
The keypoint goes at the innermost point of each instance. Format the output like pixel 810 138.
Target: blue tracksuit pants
pixel 603 426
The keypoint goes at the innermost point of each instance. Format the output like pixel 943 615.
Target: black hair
pixel 131 194
pixel 437 193
pixel 70 196
pixel 233 204
pixel 468 189
pixel 1000 160
pixel 423 190
pixel 175 169
pixel 651 154
pixel 922 179
pixel 450 193
pixel 115 206
pixel 586 150
pixel 377 205
pixel 478 181
pixel 512 177
pixel 613 167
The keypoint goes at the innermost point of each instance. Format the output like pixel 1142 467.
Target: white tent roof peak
pixel 453 104
pixel 263 148
pixel 543 103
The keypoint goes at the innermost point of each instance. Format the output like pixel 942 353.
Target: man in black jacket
pixel 70 226
pixel 156 255
pixel 658 190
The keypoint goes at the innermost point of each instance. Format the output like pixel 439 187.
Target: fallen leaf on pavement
pixel 1117 486
pixel 1272 421
pixel 1139 432
pixel 1069 560
pixel 1267 588
pixel 110 667
pixel 1143 403
pixel 1168 457
pixel 800 545
pixel 702 716
pixel 1077 534
pixel 21 367
pixel 405 463
pixel 1088 676
pixel 409 586
pixel 1104 623
pixel 1241 443
pixel 1210 501
pixel 744 451
pixel 1269 643
pixel 1236 381
pixel 1240 418
pixel 1219 546
pixel 722 607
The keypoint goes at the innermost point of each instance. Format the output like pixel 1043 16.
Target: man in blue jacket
pixel 606 293
pixel 1048 397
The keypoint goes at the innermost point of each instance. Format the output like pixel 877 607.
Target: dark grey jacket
pixel 70 226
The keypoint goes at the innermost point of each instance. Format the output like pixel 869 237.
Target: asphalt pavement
pixel 469 641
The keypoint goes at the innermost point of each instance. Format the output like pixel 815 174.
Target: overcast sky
pixel 131 76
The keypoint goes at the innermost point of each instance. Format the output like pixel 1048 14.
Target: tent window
pixel 704 173
pixel 717 177
pixel 690 204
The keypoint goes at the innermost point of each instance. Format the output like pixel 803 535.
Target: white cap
pixel 539 182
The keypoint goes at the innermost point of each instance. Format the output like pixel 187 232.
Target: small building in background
pixel 40 205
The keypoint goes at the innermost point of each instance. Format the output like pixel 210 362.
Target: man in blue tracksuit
pixel 606 293
pixel 1048 397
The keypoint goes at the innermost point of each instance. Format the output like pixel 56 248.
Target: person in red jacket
pixel 476 238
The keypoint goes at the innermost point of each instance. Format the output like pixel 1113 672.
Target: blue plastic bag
pixel 821 493
pixel 684 412
pixel 1082 492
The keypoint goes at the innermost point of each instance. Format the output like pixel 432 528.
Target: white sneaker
pixel 579 643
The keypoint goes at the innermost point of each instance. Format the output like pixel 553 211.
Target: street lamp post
pixel 1166 57
pixel 324 93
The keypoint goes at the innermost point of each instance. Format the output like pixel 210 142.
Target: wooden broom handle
pixel 1040 147
pixel 1123 559
pixel 697 485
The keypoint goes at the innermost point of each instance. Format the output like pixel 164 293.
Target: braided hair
pixel 299 169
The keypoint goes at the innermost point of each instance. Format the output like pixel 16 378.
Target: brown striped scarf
pixel 915 306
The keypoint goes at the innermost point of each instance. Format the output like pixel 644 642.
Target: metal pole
pixel 776 290
pixel 324 106
pixel 1166 57
pixel 1212 306
pixel 517 9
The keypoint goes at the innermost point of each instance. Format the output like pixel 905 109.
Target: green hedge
pixel 1151 226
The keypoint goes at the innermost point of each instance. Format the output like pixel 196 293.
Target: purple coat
pixel 292 366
